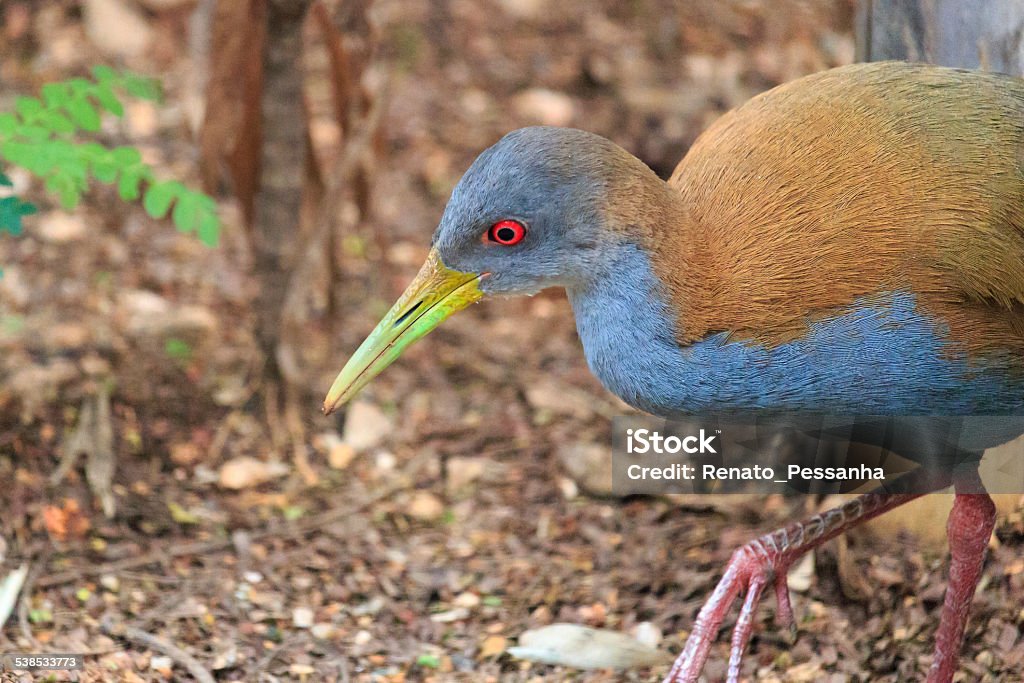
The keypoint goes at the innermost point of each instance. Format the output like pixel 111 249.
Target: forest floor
pixel 462 502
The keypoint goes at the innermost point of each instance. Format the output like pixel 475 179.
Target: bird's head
pixel 533 211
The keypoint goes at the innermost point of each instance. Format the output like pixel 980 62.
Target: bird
pixel 850 242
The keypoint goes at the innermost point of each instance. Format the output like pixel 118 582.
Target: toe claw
pixel 765 561
pixel 744 627
pixel 784 608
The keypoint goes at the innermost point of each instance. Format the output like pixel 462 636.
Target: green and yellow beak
pixel 435 294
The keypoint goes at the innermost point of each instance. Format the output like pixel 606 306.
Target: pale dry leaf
pixel 246 472
pixel 585 648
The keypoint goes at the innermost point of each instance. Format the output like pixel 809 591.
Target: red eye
pixel 507 232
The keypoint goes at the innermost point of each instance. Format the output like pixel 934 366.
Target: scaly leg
pixel 969 528
pixel 766 560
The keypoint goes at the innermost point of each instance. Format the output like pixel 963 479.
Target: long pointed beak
pixel 435 294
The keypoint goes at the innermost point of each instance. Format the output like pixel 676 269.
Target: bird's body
pixel 831 245
pixel 849 243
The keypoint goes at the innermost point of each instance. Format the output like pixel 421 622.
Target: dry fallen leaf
pixel 492 646
pixel 244 472
pixel 341 455
pixel 426 506
pixel 65 522
pixel 185 453
pixel 585 648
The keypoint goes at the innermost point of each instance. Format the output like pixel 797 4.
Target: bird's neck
pixel 624 312
pixel 655 217
pixel 628 331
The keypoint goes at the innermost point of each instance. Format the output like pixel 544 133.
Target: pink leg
pixel 768 558
pixel 969 529
pixel 744 627
pixel 765 561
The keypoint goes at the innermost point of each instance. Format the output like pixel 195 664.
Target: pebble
pixel 426 506
pixel 801 575
pixel 323 630
pixel 341 455
pixel 467 599
pixel 366 426
pixel 58 227
pixel 302 617
pixel 546 107
pixel 161 663
pixel 463 471
pixel 589 465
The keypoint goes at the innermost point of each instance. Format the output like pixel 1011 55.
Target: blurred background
pixel 168 478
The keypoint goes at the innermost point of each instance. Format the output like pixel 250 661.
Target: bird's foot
pixel 752 569
pixel 762 563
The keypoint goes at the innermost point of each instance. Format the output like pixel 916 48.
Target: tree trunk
pixel 276 225
pixel 972 35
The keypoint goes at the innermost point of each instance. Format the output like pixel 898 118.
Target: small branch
pixel 26 596
pixel 94 438
pixel 298 528
pixel 101 461
pixel 9 590
pixel 78 443
pixel 140 637
pixel 297 432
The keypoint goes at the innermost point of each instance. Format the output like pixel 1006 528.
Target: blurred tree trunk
pixel 284 158
pixel 256 141
pixel 985 35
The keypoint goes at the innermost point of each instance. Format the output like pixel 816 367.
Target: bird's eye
pixel 507 232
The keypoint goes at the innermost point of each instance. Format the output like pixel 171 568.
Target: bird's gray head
pixel 533 210
pixel 542 207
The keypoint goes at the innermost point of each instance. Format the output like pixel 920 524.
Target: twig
pixel 78 443
pixel 10 587
pixel 100 460
pixel 268 659
pixel 297 431
pixel 140 637
pixel 220 437
pixel 26 596
pixel 196 548
pixel 278 434
pixel 93 438
pixel 297 528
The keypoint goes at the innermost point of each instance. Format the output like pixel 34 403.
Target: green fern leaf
pixel 209 229
pixel 83 113
pixel 28 108
pixel 107 99
pixel 186 212
pixel 126 156
pixel 8 124
pixel 128 185
pixel 103 73
pixel 159 196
